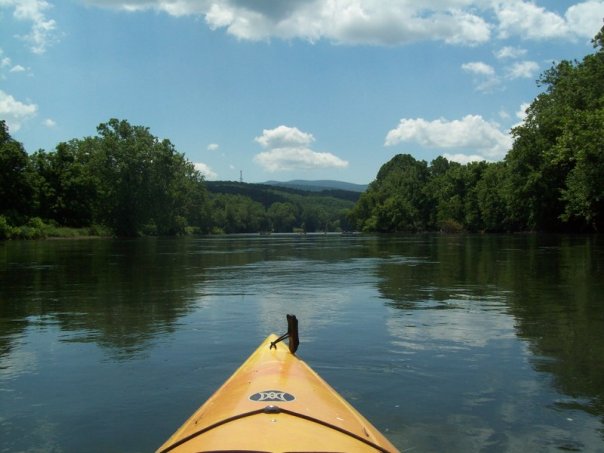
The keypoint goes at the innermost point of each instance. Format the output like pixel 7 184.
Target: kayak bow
pixel 276 402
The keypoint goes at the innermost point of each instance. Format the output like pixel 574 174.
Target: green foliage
pixel 15 178
pixel 7 231
pixel 130 182
pixel 490 198
pixel 396 200
pixel 143 181
pixel 67 186
pixel 282 217
pixel 245 208
pixel 237 214
pixel 124 179
pixel 584 191
pixel 554 181
pixel 551 179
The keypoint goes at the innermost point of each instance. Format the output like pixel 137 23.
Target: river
pixel 446 343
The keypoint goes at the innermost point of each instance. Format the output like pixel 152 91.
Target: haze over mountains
pixel 318 186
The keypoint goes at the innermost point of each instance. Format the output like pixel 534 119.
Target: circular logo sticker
pixel 273 395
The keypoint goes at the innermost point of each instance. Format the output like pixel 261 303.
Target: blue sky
pixel 277 89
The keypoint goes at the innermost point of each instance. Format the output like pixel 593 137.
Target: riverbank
pixel 36 228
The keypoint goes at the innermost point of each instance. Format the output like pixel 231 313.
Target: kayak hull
pixel 276 402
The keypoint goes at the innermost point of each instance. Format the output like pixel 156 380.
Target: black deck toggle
pixel 292 334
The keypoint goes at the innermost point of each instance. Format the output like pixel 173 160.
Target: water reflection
pixel 115 293
pixel 447 342
pixel 461 301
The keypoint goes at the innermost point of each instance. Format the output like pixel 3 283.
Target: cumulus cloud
pixel 523 69
pixel 478 67
pixel 471 133
pixel 522 18
pixel 49 123
pixel 205 170
pixel 213 147
pixel 463 158
pixel 388 22
pixel 18 68
pixel 509 52
pixel 530 21
pixel 287 148
pixel 43 30
pixel 503 114
pixel 380 22
pixel 485 77
pixel 521 113
pixel 284 137
pixel 585 19
pixel 15 112
pixel 6 64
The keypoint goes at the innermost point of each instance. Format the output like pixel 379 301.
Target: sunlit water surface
pixel 446 343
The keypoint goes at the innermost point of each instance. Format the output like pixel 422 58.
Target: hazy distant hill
pixel 319 186
pixel 239 207
pixel 267 194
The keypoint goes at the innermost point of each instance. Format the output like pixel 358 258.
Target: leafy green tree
pixel 238 214
pixel 282 217
pixel 314 218
pixel 555 137
pixel 396 200
pixel 584 191
pixel 16 188
pixel 490 199
pixel 67 187
pixel 145 181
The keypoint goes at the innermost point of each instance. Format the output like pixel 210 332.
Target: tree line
pixel 245 208
pixel 126 182
pixel 551 180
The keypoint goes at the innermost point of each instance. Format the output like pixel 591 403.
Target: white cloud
pixel 523 69
pixel 380 22
pixel 49 122
pixel 17 68
pixel 521 113
pixel 486 79
pixel 471 133
pixel 527 20
pixel 288 149
pixel 478 67
pixel 463 158
pixel 389 22
pixel 585 19
pixel 7 63
pixel 43 30
pixel 15 112
pixel 509 52
pixel 286 159
pixel 284 137
pixel 205 170
pixel 213 147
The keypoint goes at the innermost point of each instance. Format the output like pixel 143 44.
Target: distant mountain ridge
pixel 318 186
pixel 267 194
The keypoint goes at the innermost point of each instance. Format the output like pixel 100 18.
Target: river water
pixel 446 343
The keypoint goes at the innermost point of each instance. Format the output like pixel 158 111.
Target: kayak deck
pixel 276 402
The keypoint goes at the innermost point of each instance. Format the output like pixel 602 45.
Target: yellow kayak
pixel 275 402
